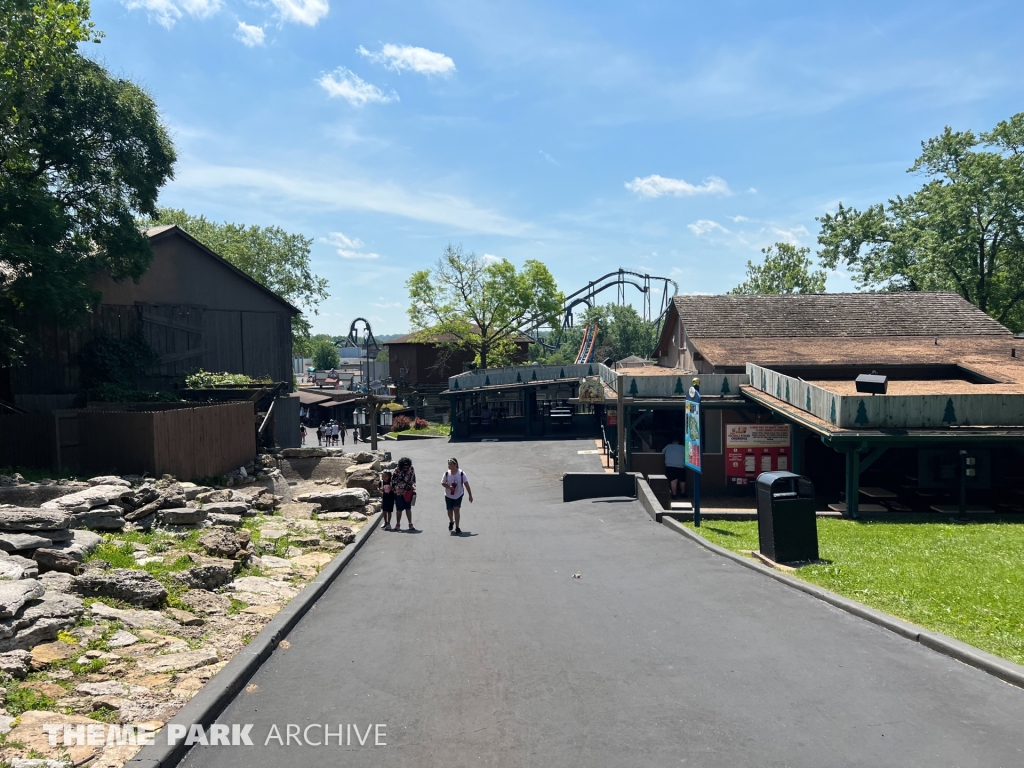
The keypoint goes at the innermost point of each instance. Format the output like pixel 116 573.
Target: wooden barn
pixel 193 308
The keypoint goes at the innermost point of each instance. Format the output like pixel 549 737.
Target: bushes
pixel 400 424
pixel 206 380
pixel 421 423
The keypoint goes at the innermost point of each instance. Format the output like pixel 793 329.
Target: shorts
pixel 451 503
pixel 676 473
pixel 401 504
pixel 387 502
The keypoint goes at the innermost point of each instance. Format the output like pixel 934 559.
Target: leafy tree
pixel 325 355
pixel 962 231
pixel 273 257
pixel 82 153
pixel 786 269
pixel 621 332
pixel 480 307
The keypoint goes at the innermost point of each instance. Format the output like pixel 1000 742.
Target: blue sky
pixel 676 138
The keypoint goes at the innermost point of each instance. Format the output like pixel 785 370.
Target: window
pixel 712 431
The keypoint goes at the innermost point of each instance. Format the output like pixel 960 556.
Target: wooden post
pixel 374 409
pixel 853 482
pixel 620 421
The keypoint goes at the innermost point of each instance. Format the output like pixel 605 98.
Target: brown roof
pixel 834 314
pixel 988 355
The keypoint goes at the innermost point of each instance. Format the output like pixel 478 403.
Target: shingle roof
pixel 834 314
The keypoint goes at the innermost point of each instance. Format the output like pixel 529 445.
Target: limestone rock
pixel 184 617
pixel 227 508
pixel 210 497
pixel 30 519
pixel 331 516
pixel 208 576
pixel 297 510
pixel 338 500
pixel 65 561
pixel 202 601
pixel 46 653
pixel 39 621
pixel 15 663
pixel 55 581
pixel 304 453
pixel 122 639
pixel 32 734
pixel 222 542
pixel 340 533
pixel 18 567
pixel 134 587
pixel 232 521
pixel 83 501
pixel 178 662
pixel 357 517
pixel 147 494
pixel 190 490
pixel 181 516
pixel 257 590
pixel 14 594
pixel 12 542
pixel 136 619
pixel 273 533
pixel 312 560
pixel 144 511
pixel 362 457
pixel 109 518
pixel 105 688
pixel 361 476
pixel 109 480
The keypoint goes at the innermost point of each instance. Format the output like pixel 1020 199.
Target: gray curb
pixel 213 698
pixel 1005 670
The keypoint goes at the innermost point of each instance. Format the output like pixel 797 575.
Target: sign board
pixel 611 418
pixel 692 442
pixel 751 449
pixel 591 390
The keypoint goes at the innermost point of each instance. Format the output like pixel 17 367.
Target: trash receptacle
pixel 786 525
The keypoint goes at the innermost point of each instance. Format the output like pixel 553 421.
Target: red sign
pixel 751 449
pixel 611 418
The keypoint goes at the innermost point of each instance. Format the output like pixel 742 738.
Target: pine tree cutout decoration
pixel 778 388
pixel 561 374
pixel 808 399
pixel 679 387
pixel 949 416
pixel 725 387
pixel 456 384
pixel 832 414
pixel 519 377
pixel 764 382
pixel 590 370
pixel 487 381
pixel 534 377
pixel 632 388
pixel 862 414
pixel 787 390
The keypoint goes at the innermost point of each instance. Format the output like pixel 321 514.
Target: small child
pixel 387 498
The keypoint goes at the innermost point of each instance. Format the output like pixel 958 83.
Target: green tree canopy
pixel 270 255
pixel 962 231
pixel 786 269
pixel 325 354
pixel 82 153
pixel 480 307
pixel 621 332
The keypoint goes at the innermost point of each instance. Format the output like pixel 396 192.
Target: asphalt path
pixel 483 650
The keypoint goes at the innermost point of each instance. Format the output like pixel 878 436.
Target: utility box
pixel 787 528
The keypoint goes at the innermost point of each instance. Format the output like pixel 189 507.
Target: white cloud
pixel 387 304
pixel 307 12
pixel 167 12
pixel 356 91
pixel 657 186
pixel 249 35
pixel 703 226
pixel 738 219
pixel 547 157
pixel 752 190
pixel 348 247
pixel 490 258
pixel 791 236
pixel 399 57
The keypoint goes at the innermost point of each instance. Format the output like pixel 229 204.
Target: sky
pixel 676 139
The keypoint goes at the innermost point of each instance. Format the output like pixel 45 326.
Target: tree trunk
pixel 483 354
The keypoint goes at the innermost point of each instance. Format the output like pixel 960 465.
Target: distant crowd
pixel 331 433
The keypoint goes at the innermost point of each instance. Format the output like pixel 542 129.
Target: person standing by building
pixel 456 485
pixel 341 430
pixel 675 467
pixel 320 434
pixel 302 433
pixel 403 483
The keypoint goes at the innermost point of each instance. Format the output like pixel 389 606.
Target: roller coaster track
pixel 586 353
pixel 620 280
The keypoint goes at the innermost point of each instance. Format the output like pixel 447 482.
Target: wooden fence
pixel 189 443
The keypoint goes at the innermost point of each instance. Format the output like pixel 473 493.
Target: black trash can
pixel 786 525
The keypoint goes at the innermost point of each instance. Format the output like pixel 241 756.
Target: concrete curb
pixel 1005 670
pixel 207 705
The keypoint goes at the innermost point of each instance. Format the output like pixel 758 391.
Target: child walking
pixel 387 498
pixel 456 485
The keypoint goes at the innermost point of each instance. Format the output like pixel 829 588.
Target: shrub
pixel 421 423
pixel 207 380
pixel 400 424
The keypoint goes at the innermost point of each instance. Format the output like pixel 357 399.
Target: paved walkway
pixel 484 651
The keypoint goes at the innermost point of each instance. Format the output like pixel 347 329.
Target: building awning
pixel 312 398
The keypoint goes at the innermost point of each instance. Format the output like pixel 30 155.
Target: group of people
pixel 398 494
pixel 330 432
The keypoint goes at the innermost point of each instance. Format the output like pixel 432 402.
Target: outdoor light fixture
pixel 873 383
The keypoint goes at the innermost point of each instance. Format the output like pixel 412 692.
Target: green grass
pixel 964 580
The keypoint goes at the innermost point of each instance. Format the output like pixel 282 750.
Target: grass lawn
pixel 966 581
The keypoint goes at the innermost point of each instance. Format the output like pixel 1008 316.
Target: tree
pixel 786 269
pixel 325 355
pixel 962 231
pixel 82 153
pixel 273 257
pixel 621 332
pixel 479 307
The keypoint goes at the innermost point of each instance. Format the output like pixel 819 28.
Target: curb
pixel 1005 670
pixel 214 697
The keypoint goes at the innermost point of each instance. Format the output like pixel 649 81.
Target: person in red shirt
pixel 403 483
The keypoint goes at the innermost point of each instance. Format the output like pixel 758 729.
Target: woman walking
pixel 403 483
pixel 456 485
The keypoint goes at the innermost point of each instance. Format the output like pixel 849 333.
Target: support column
pixel 374 411
pixel 620 419
pixel 853 483
pixel 799 438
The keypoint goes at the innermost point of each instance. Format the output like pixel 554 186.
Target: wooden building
pixel 193 308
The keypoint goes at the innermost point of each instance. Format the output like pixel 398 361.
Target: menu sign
pixel 751 449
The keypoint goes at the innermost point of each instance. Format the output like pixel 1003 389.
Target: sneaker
pixel 387 526
pixel 458 531
pixel 451 524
